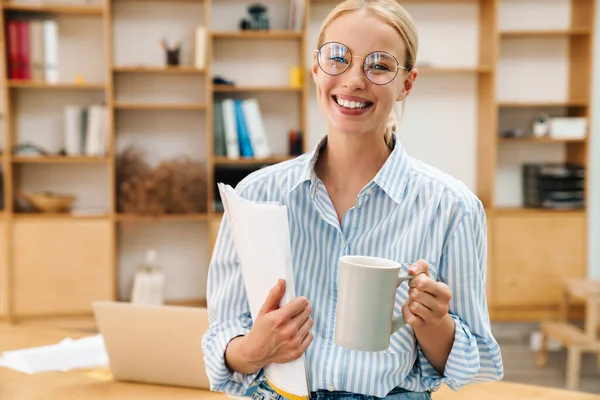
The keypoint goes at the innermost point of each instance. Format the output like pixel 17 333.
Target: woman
pixel 358 192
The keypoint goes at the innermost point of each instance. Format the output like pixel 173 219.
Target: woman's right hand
pixel 278 335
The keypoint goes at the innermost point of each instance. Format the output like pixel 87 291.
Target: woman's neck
pixel 349 162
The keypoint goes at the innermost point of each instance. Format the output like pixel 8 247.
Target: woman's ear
pixel 315 68
pixel 408 83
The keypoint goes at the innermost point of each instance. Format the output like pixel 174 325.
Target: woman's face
pixel 352 103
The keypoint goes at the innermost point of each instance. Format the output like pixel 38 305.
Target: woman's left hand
pixel 427 302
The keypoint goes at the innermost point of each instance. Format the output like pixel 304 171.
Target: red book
pixel 24 50
pixel 14 70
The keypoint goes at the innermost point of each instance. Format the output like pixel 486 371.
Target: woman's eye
pixel 338 59
pixel 378 67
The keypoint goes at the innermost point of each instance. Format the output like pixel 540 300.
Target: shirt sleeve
pixel 229 316
pixel 475 355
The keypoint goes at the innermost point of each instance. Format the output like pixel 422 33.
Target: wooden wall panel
pixel 533 252
pixel 60 266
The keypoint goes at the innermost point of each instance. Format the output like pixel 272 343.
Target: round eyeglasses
pixel 379 67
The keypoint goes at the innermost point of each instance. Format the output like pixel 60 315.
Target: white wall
pixel 594 166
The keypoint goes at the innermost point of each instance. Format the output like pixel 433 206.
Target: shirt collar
pixel 391 178
pixel 393 175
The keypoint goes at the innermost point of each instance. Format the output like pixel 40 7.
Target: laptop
pixel 154 344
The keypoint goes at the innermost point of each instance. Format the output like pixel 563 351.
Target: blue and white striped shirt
pixel 409 211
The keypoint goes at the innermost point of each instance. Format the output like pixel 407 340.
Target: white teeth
pixel 350 104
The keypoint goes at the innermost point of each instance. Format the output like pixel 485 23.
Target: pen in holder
pixel 172 53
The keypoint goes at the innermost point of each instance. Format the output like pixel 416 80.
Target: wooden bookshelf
pixel 454 70
pixel 527 244
pixel 184 70
pixel 62 216
pixel 249 88
pixel 539 140
pixel 502 221
pixel 548 104
pixel 164 217
pixel 271 34
pixel 545 33
pixel 533 211
pixel 55 86
pixel 55 8
pixel 159 106
pixel 58 160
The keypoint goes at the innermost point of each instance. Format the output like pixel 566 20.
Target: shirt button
pixel 330 387
pixel 368 191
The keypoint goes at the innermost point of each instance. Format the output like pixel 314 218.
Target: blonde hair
pixel 393 14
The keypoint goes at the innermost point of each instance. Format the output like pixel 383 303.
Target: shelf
pixel 160 106
pixel 539 140
pixel 250 161
pixel 185 70
pixel 58 160
pixel 533 211
pixel 186 302
pixel 545 33
pixel 55 86
pixel 164 217
pixel 531 104
pixel 451 70
pixel 257 35
pixel 55 8
pixel 248 88
pixel 74 216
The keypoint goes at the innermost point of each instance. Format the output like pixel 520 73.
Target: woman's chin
pixel 351 128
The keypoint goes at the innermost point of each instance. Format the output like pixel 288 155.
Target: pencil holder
pixel 173 56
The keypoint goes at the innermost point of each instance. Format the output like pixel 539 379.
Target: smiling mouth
pixel 352 105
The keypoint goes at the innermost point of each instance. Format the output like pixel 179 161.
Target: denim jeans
pixel 264 392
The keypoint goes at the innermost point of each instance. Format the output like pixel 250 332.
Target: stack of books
pixel 32 53
pixel 86 130
pixel 239 129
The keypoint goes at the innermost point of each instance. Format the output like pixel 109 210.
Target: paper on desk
pixel 261 237
pixel 88 352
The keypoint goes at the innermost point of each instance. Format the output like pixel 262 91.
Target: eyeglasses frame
pixel 352 57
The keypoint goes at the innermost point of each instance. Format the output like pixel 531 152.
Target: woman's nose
pixel 354 76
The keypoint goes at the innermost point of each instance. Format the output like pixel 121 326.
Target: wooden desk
pixel 98 384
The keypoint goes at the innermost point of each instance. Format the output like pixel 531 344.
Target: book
pixel 24 50
pixel 260 232
pixel 230 129
pixel 220 148
pixel 13 53
pixel 73 126
pixel 256 128
pixel 51 73
pixel 36 46
pixel 96 136
pixel 242 130
pixel 200 47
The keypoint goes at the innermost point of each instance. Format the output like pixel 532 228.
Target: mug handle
pixel 399 321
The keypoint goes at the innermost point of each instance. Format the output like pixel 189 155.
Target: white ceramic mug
pixel 365 302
